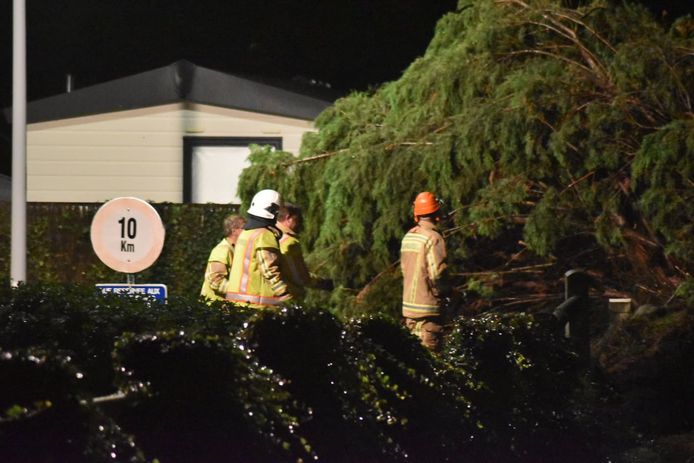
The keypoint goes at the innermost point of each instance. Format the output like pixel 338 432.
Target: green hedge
pixel 59 246
pixel 220 383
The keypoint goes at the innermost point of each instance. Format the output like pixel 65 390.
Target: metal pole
pixel 18 264
pixel 576 285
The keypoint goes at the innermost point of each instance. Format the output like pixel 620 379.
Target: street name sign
pixel 155 291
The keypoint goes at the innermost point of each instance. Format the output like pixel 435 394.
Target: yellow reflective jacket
pixel 217 272
pixel 292 264
pixel 423 262
pixel 255 277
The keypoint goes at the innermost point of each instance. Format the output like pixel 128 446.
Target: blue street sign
pixel 155 291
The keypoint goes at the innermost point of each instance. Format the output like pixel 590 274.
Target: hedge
pixel 221 383
pixel 59 246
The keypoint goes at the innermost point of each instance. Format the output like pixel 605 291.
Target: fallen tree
pixel 558 138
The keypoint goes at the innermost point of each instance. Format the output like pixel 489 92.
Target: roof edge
pixel 180 81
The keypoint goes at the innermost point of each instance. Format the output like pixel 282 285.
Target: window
pixel 212 166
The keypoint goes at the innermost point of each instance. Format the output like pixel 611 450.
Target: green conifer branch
pixel 556 134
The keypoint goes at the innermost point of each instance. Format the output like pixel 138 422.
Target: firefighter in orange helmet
pixel 423 264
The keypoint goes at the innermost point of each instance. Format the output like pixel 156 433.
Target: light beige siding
pixel 135 153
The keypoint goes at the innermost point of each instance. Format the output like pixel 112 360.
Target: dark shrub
pixel 43 417
pixel 203 398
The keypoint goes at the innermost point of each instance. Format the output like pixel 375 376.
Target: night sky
pixel 349 44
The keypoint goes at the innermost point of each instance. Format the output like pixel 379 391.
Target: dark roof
pixel 177 82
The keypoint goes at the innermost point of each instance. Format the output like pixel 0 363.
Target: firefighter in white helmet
pixel 255 279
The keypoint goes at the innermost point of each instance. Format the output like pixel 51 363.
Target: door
pixel 212 166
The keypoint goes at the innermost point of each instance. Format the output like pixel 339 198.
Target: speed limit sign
pixel 127 234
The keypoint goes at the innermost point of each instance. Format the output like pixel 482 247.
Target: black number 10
pixel 132 227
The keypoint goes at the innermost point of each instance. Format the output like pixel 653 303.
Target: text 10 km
pixel 128 228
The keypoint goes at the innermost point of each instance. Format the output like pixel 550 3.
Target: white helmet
pixel 266 204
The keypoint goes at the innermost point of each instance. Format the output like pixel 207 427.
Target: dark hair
pixel 288 210
pixel 233 222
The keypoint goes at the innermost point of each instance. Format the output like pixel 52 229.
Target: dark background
pixel 348 44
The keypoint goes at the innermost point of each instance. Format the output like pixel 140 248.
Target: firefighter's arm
pixel 299 274
pixel 436 258
pixel 436 265
pixel 217 276
pixel 268 259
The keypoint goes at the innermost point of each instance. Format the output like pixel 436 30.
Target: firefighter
pixel 214 287
pixel 256 279
pixel 293 266
pixel 423 264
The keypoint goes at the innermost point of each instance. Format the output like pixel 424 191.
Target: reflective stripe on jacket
pixel 292 264
pixel 217 272
pixel 422 261
pixel 255 277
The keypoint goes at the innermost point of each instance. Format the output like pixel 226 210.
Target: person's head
pixel 265 204
pixel 233 226
pixel 290 216
pixel 427 207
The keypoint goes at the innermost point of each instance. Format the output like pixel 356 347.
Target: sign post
pixel 128 235
pixel 18 253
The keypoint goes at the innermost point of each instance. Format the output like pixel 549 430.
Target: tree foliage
pixel 558 137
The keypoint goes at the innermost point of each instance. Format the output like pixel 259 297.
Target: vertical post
pixel 19 207
pixel 130 278
pixel 577 283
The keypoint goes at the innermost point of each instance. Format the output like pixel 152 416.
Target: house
pixel 180 133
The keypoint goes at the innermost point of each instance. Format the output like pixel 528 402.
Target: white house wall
pixel 135 153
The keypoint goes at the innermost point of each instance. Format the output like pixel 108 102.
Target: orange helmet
pixel 425 203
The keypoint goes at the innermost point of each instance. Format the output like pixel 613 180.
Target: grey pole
pixel 18 265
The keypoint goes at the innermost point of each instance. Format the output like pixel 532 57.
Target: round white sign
pixel 127 234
